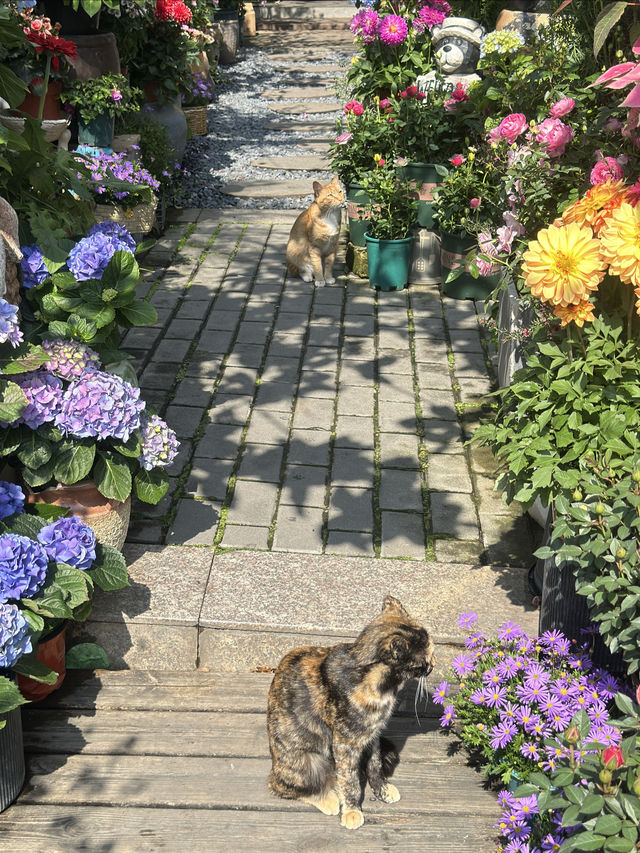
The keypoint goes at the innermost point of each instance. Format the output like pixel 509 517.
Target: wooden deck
pixel 142 761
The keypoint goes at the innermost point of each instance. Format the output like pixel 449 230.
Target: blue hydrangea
pixel 70 359
pixel 23 566
pixel 9 325
pixel 90 256
pixel 114 229
pixel 159 443
pixel 11 499
pixel 34 270
pixel 15 635
pixel 100 405
pixel 70 541
pixel 44 393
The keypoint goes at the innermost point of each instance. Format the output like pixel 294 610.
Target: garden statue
pixel 456 44
pixel 10 254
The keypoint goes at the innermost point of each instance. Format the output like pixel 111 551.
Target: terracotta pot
pixel 31 103
pixel 51 651
pixel 108 518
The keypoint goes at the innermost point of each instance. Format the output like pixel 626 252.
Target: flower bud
pixel 621 553
pixel 605 777
pixel 600 508
pixel 635 475
pixel 577 495
pixel 612 758
pixel 572 734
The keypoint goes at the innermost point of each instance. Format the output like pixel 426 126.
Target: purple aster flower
pixel 606 735
pixel 114 229
pixel 502 734
pixel 9 324
pixel 441 692
pixel 508 667
pixel 463 665
pixel 555 642
pixel 448 716
pixel 524 807
pixel 551 844
pixel 70 541
pixel 479 696
pixel 23 566
pixel 597 713
pixel 530 750
pixel 466 620
pixel 100 405
pixel 475 641
pixel 392 30
pixel 509 631
pixel 523 714
pixel 11 499
pixel 552 705
pixel 44 393
pixel 34 270
pixel 559 719
pixel 90 256
pixel 531 692
pixel 536 674
pixel 492 676
pixel 495 696
pixel 506 799
pixel 15 636
pixel 517 845
pixel 70 359
pixel 159 443
pixel 608 686
pixel 509 711
pixel 520 831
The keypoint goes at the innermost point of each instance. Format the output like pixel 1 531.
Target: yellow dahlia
pixel 585 211
pixel 579 314
pixel 620 241
pixel 563 265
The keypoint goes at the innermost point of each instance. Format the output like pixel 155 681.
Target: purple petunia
pixel 23 566
pixel 15 635
pixel 11 499
pixel 9 324
pixel 70 541
pixel 100 405
pixel 44 393
pixel 90 256
pixel 159 443
pixel 34 270
pixel 70 359
pixel 392 30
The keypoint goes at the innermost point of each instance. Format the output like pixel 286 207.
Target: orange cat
pixel 313 240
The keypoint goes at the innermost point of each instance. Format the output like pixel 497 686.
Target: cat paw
pixel 329 804
pixel 320 283
pixel 330 280
pixel 352 818
pixel 389 793
pixel 306 276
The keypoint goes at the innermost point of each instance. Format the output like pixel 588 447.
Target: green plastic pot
pixel 356 198
pixel 425 178
pixel 388 262
pixel 98 132
pixel 453 251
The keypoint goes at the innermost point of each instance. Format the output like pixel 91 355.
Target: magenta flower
pixel 561 107
pixel 555 135
pixel 475 203
pixel 605 170
pixel 116 95
pixel 512 126
pixel 392 30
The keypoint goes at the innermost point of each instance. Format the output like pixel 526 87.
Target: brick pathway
pixel 327 420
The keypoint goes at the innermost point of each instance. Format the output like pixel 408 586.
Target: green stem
pixel 630 313
pixel 45 86
pixel 569 345
pixel 581 339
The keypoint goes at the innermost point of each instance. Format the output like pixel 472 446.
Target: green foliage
pixel 94 97
pixel 161 61
pixel 370 133
pixel 86 656
pixel 392 210
pixel 566 405
pixel 472 179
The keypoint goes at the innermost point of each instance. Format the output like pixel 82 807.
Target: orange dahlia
pixel 585 211
pixel 620 241
pixel 563 265
pixel 579 314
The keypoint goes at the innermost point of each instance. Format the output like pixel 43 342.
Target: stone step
pixel 286 24
pixel 320 126
pixel 293 9
pixel 296 188
pixel 297 108
pixel 307 163
pixel 298 93
pixel 238 610
pixel 297 68
pixel 313 145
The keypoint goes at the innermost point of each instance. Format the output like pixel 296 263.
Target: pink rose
pixel 505 238
pixel 561 107
pixel 385 104
pixel 420 96
pixel 357 109
pixel 36 25
pixel 494 135
pixel 458 160
pixel 555 135
pixel 512 126
pixel 475 203
pixel 605 170
pixel 343 138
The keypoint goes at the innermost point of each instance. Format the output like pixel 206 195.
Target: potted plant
pixel 194 103
pixel 391 215
pixel 97 102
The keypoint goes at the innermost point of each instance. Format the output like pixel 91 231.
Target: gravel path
pixel 238 134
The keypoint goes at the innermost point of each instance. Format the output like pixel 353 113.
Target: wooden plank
pixel 232 783
pixel 201 734
pixel 51 829
pixel 244 692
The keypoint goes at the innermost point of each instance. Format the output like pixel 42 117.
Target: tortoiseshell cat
pixel 313 240
pixel 327 707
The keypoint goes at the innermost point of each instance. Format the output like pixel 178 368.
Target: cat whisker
pixel 422 693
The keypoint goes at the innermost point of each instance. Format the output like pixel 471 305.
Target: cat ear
pixel 316 188
pixel 389 602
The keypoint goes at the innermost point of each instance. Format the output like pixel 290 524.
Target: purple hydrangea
pixel 34 270
pixel 114 229
pixel 15 636
pixel 44 393
pixel 11 499
pixel 23 566
pixel 90 256
pixel 159 443
pixel 70 359
pixel 100 405
pixel 9 328
pixel 70 541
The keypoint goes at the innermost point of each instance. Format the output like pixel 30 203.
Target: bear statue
pixel 456 45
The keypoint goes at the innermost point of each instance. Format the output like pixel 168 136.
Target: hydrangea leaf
pixel 63 280
pixel 101 315
pixel 122 272
pixel 34 450
pixel 32 360
pixel 30 667
pixel 131 448
pixel 24 525
pixel 13 401
pixel 73 461
pixel 10 440
pixel 139 313
pixel 36 623
pixel 112 477
pixel 70 582
pixel 10 696
pixel 51 604
pixel 86 656
pixel 80 328
pixel 109 570
pixel 35 477
pixel 151 486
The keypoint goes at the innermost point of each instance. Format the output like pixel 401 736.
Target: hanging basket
pixel 138 219
pixel 196 120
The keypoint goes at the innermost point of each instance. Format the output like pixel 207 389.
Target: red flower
pixel 412 91
pixel 458 160
pixel 612 757
pixel 420 96
pixel 57 46
pixel 403 95
pixel 172 10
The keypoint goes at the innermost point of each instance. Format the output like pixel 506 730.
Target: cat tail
pixel 389 756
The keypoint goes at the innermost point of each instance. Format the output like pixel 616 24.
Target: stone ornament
pixel 456 44
pixel 10 254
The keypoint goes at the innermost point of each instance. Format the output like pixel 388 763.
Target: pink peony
pixel 562 107
pixel 457 160
pixel 512 126
pixel 605 170
pixel 393 30
pixel 555 135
